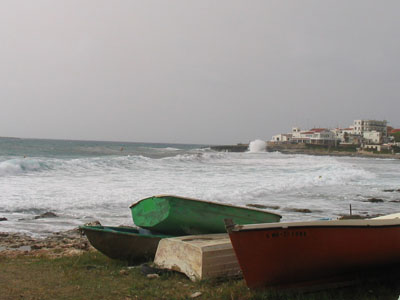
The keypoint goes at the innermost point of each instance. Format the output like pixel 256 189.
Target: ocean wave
pixel 166 149
pixel 196 157
pixel 18 166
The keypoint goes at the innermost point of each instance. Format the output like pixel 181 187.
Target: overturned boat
pixel 123 243
pixel 185 216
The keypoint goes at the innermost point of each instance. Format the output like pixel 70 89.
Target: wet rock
pixel 374 200
pixel 392 190
pixel 299 210
pixel 3 219
pixel 93 223
pixel 263 206
pixel 37 246
pixel 395 201
pixel 48 214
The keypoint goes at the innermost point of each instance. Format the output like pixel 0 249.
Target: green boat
pixel 123 243
pixel 185 216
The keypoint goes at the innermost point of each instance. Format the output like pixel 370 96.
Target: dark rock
pixel 389 190
pixel 48 214
pixel 395 201
pixel 3 219
pixel 231 148
pixel 146 269
pixel 37 246
pixel 300 210
pixel 375 200
pixel 263 206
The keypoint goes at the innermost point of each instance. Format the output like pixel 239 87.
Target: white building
pixel 361 126
pixel 283 137
pixel 320 136
pixel 373 137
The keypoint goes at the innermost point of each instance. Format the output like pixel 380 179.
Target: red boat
pixel 306 253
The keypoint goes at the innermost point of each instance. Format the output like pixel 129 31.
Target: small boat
pixel 124 243
pixel 185 216
pixel 302 254
pixel 199 257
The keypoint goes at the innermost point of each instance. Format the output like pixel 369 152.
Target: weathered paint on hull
pixel 183 216
pixel 294 256
pixel 123 243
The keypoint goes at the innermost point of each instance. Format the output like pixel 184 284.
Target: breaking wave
pixel 18 166
pixel 25 166
pixel 257 146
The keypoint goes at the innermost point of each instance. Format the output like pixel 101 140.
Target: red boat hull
pixel 285 256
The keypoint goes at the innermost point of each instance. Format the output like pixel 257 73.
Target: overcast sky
pixel 195 71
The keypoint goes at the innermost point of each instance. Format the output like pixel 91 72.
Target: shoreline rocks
pixel 261 206
pixel 301 149
pixel 48 214
pixel 58 244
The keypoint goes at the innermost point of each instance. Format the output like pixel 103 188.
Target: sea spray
pixel 257 146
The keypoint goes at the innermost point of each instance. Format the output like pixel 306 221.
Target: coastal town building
pixel 363 133
pixel 319 136
pixel 373 137
pixel 361 126
pixel 282 137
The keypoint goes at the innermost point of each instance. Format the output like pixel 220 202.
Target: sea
pixel 85 181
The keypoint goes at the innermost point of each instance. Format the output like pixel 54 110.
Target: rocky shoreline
pixel 67 243
pixel 302 150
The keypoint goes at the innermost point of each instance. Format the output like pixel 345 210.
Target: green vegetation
pixel 396 137
pixel 94 276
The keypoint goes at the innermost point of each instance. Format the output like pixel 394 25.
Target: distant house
pixel 318 136
pixel 361 132
pixel 361 126
pixel 373 137
pixel 283 137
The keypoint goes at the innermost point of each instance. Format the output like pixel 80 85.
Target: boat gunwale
pixel 370 223
pixel 210 202
pixel 114 229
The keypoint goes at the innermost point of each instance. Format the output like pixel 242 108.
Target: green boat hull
pixel 123 243
pixel 184 216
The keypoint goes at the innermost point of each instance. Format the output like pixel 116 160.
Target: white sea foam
pixel 102 187
pixel 257 146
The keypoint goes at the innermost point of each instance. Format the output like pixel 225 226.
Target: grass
pixel 94 276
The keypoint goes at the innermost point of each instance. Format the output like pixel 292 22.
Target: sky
pixel 186 71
